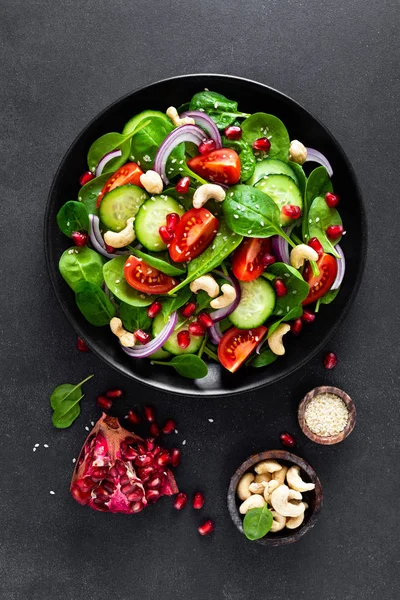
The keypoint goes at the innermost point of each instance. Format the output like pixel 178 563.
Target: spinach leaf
pixel 158 263
pixel 266 357
pixel 222 110
pixel 261 125
pixel 257 522
pixel 185 199
pixel 321 216
pixel 113 272
pixel 300 176
pixel 64 401
pixel 134 317
pixel 187 365
pixel 318 184
pixel 329 297
pixel 89 193
pixel 246 155
pixel 71 217
pixel 81 264
pixel 169 305
pixel 202 301
pixel 93 303
pixel 294 313
pixel 225 242
pixel 297 288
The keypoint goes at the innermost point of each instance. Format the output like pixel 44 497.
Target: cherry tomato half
pixel 146 279
pixel 320 285
pixel 247 262
pixel 236 345
pixel 218 166
pixel 193 234
pixel 129 173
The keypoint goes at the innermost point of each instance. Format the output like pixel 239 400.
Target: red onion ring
pixel 315 156
pixel 341 263
pixel 280 247
pixel 215 334
pixel 157 342
pixel 222 313
pixel 184 133
pixel 97 239
pixel 106 159
pixel 206 123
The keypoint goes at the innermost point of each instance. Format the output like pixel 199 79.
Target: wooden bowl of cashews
pixel 287 484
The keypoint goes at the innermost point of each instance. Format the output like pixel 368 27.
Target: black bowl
pixel 252 97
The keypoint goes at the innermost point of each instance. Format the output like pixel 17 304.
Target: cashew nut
pixel 294 522
pixel 280 500
pixel 242 489
pixel 126 338
pixel 267 466
pixel 270 487
pixel 172 113
pixel 206 283
pixel 301 253
pixel 279 476
pixel 255 501
pixel 152 182
pixel 228 296
pixel 278 523
pixel 207 191
pixel 257 488
pixel 297 152
pixel 263 477
pixel 123 237
pixel 275 339
pixel 295 481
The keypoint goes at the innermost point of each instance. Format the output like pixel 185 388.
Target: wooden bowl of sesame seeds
pixel 327 415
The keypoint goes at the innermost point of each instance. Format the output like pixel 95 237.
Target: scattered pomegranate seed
pixel 268 259
pixel 169 426
pixel 86 177
pixel 104 402
pixel 317 246
pixel 332 200
pixel 163 458
pixel 188 309
pixel 183 338
pixel 296 326
pixel 79 238
pixel 154 430
pixel 142 336
pixel 133 417
pixel 175 457
pixel 233 132
pixel 183 185
pixel 308 316
pixel 330 360
pixel 165 235
pixel 206 528
pixel 196 328
pixel 154 309
pixel 114 394
pixel 198 500
pixel 288 440
pixel 149 414
pixel 205 320
pixel 262 144
pixel 172 220
pixel 180 501
pixel 334 231
pixel 207 146
pixel 109 248
pixel 81 345
pixel 280 288
pixel 292 211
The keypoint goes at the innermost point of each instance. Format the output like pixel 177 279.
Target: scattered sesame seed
pixel 262 223
pixel 326 415
pixel 235 216
pixel 92 423
pixel 45 445
pixel 87 428
pixel 317 219
pixel 52 493
pixel 74 460
pixel 249 231
pixel 184 443
pixel 211 420
pixel 175 431
pixel 33 449
pixel 37 445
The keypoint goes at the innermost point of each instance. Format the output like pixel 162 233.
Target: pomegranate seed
pixel 169 426
pixel 183 338
pixel 130 454
pixel 205 320
pixel 332 200
pixel 104 402
pixel 196 328
pixel 296 326
pixel 288 440
pixel 144 460
pixel 145 473
pixel 163 458
pixel 172 220
pixel 180 501
pixel 175 457
pixel 86 177
pixel 114 393
pixel 207 146
pixel 317 246
pixel 292 211
pixel 141 448
pixel 154 483
pixel 330 360
pixel 81 345
pixel 206 528
pixel 79 238
pixel 334 231
pixel 154 430
pixel 133 417
pixel 198 500
pixel 154 309
pixel 150 444
pixel 268 259
pixel 233 132
pixel 149 414
pixel 165 235
pixel 152 495
pixel 188 309
pixel 308 316
pixel 183 185
pixel 262 144
pixel 280 288
pixel 137 507
pixel 142 336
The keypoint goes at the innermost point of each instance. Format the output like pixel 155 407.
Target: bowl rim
pixel 166 386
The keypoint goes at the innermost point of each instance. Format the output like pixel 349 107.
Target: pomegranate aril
pixel 130 454
pixel 154 430
pixel 79 495
pixel 180 501
pixel 330 360
pixel 136 507
pixel 85 178
pixel 104 402
pixel 150 444
pixel 268 259
pixel 152 495
pixel 114 394
pixel 154 309
pixel 149 414
pixel 262 144
pixel 334 231
pixel 135 496
pixel 133 417
pixel 205 320
pixel 141 448
pixel 163 458
pixel 332 200
pixel 145 473
pixel 79 238
pixel 81 345
pixel 188 309
pixel 280 288
pixel 198 500
pixel 206 528
pixel 207 146
pixel 109 249
pixel 183 185
pixel 233 132
pixel 308 316
pixel 169 426
pixel 143 460
pixel 121 468
pixel 183 339
pixel 292 211
pixel 317 246
pixel 196 329
pixel 296 326
pixel 172 220
pixel 110 487
pixel 175 457
pixel 165 235
pixel 288 440
pixel 126 488
pixel 142 336
pixel 154 483
pixel 124 480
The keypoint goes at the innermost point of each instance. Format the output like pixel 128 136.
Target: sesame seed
pixel 87 428
pixel 37 445
pixel 211 420
pixel 52 493
pixel 249 231
pixel 235 216
pixel 33 449
pixel 45 445
pixel 262 223
pixel 184 443
pixel 92 423
pixel 74 460
pixel 317 219
pixel 326 415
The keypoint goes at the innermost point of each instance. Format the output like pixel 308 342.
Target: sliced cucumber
pixel 171 345
pixel 160 354
pixel 152 216
pixel 271 166
pixel 137 119
pixel 256 304
pixel 120 204
pixel 282 190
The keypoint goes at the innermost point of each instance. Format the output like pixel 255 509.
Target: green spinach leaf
pixel 202 301
pixel 134 317
pixel 318 184
pixel 330 296
pixel 185 199
pixel 297 288
pixel 261 125
pixel 222 110
pixel 158 263
pixel 266 357
pixel 187 365
pixel 257 522
pixel 300 176
pixel 93 303
pixel 89 193
pixel 71 217
pixel 169 305
pixel 64 401
pixel 320 216
pixel 294 313
pixel 246 155
pixel 81 264
pixel 113 272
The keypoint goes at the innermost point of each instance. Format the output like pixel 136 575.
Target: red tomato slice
pixel 247 262
pixel 320 285
pixel 129 173
pixel 219 166
pixel 237 344
pixel 146 279
pixel 194 233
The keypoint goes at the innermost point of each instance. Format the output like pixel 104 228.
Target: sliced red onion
pixel 155 344
pixel 206 123
pixel 260 345
pixel 184 133
pixel 222 313
pixel 106 159
pixel 341 263
pixel 280 247
pixel 215 334
pixel 315 156
pixel 97 239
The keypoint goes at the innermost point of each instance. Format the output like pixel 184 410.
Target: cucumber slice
pixel 171 345
pixel 137 119
pixel 256 304
pixel 120 204
pixel 271 166
pixel 151 216
pixel 282 190
pixel 159 354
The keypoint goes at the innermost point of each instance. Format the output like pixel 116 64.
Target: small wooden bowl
pixel 332 439
pixel 314 498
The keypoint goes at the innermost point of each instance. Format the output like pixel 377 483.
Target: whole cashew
pixel 228 296
pixel 279 476
pixel 294 522
pixel 242 489
pixel 255 501
pixel 278 523
pixel 152 182
pixel 123 237
pixel 267 466
pixel 271 486
pixel 126 338
pixel 207 191
pixel 275 339
pixel 206 283
pixel 257 488
pixel 301 253
pixel 172 113
pixel 263 477
pixel 280 500
pixel 297 152
pixel 295 481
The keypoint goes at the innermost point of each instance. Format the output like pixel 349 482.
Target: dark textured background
pixel 61 63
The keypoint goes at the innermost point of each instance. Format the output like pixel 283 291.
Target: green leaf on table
pixel 318 184
pixel 64 401
pixel 113 272
pixel 260 125
pixel 320 217
pixel 71 217
pixel 257 522
pixel 93 303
